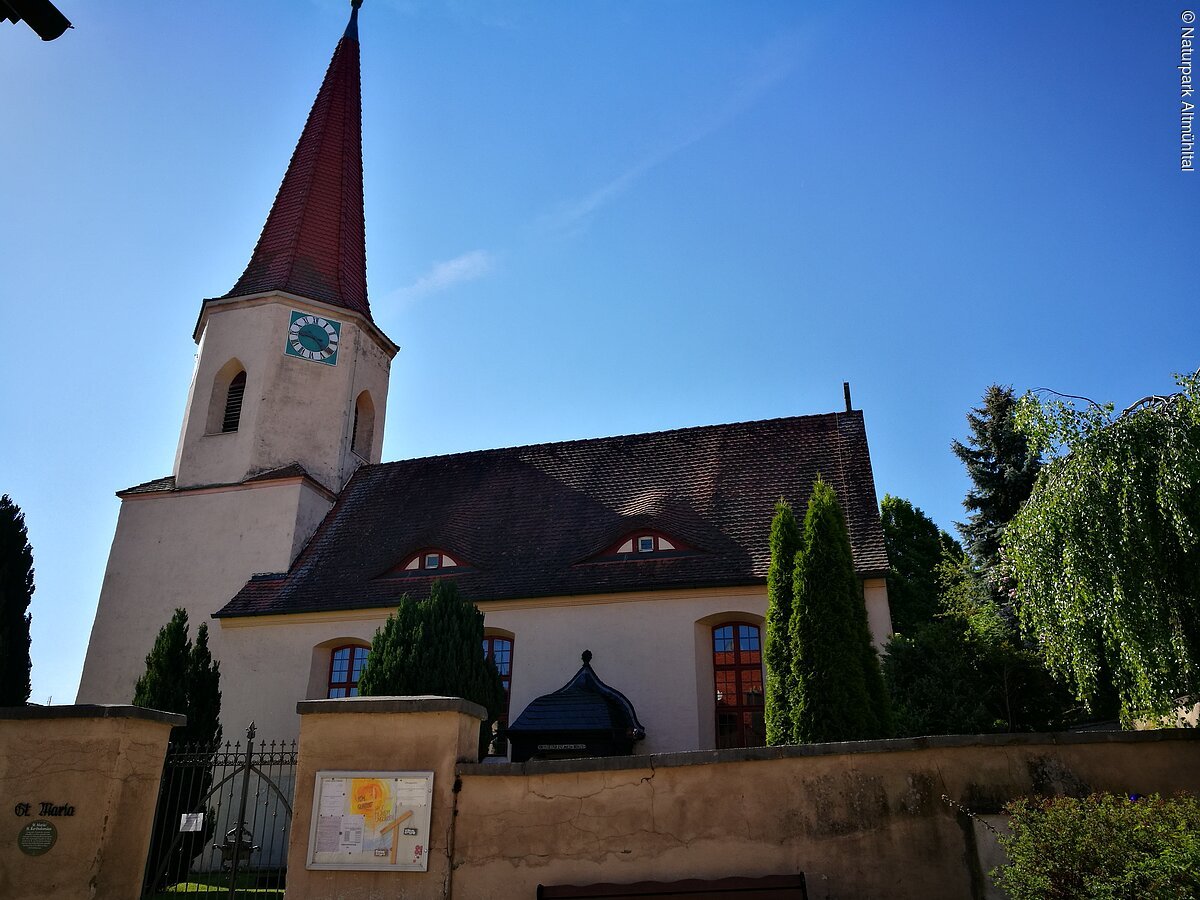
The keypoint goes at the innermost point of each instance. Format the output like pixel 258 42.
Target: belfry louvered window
pixel 233 403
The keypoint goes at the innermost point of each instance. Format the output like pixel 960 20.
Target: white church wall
pixel 879 613
pixel 194 550
pixel 653 646
pixel 280 660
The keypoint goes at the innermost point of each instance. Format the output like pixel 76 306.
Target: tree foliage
pixel 182 677
pixel 967 672
pixel 916 548
pixel 777 652
pixel 1106 552
pixel 1103 847
pixel 838 691
pixel 1003 466
pixel 16 590
pixel 435 646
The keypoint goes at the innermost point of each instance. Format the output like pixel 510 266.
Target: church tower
pixel 286 401
pixel 292 370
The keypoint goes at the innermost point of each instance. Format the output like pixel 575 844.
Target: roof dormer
pixel 645 543
pixel 427 562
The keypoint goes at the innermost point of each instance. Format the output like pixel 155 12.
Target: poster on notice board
pixel 371 821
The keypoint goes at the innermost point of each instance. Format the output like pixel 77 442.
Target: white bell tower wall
pixel 293 410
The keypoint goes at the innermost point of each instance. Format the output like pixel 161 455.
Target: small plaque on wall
pixel 371 821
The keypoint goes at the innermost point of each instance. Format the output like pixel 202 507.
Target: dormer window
pixel 427 562
pixel 642 545
pixel 646 543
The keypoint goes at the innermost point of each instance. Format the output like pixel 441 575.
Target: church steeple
pixel 313 244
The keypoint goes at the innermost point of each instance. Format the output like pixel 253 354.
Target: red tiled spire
pixel 314 242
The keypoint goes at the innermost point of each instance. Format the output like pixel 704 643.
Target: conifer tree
pixel 182 677
pixel 1003 467
pixel 16 589
pixel 435 646
pixel 785 541
pixel 163 685
pixel 916 548
pixel 838 691
pixel 204 693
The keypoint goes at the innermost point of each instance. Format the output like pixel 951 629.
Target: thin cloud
pixel 771 67
pixel 443 275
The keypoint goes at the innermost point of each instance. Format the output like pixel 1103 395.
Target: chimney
pixel 846 391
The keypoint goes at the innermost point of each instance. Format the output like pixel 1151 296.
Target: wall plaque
pixel 37 837
pixel 371 821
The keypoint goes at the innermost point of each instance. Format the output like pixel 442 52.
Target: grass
pixel 217 885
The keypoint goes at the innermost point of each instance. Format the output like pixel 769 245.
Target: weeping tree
pixel 435 646
pixel 837 688
pixel 182 677
pixel 777 651
pixel 1105 554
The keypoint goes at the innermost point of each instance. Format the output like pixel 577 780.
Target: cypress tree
pixel 204 693
pixel 435 646
pixel 777 654
pixel 163 685
pixel 182 677
pixel 16 589
pixel 838 691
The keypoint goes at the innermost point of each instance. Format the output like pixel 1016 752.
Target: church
pixel 281 527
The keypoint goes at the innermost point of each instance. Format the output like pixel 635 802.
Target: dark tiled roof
pixel 167 482
pixel 314 243
pixel 524 521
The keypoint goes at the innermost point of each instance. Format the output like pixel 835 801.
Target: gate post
pixel 409 734
pixel 89 775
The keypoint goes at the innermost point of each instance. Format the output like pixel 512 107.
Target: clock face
pixel 313 337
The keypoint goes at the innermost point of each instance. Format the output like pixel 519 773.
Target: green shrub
pixel 1103 847
pixel 435 646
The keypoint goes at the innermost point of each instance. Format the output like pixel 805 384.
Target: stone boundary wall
pixel 863 819
pixel 860 820
pixel 92 774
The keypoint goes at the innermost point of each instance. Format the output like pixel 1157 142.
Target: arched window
pixel 233 403
pixel 364 426
pixel 345 666
pixel 225 403
pixel 738 683
pixel 499 649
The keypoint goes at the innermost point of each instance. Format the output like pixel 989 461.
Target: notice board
pixel 371 821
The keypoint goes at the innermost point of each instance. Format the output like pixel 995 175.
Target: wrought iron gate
pixel 222 820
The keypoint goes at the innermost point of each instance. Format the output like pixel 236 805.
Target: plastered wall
pixel 864 819
pixel 381 734
pixel 653 646
pixel 195 550
pixel 99 768
pixel 294 410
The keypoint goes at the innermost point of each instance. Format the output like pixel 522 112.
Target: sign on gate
pixel 373 821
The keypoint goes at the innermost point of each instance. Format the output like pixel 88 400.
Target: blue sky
pixel 593 218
